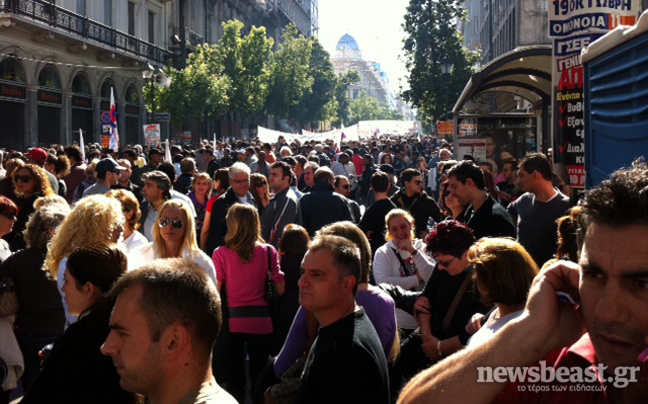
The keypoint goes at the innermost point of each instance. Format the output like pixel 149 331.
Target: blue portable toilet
pixel 616 100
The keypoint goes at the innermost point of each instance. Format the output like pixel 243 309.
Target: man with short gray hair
pixel 214 227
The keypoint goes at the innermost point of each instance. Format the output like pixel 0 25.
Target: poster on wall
pixel 152 134
pixel 573 25
pixel 499 138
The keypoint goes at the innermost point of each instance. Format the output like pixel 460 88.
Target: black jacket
pixel 322 206
pixel 421 207
pixel 217 225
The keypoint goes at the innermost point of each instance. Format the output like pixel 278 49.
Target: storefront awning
pixel 525 71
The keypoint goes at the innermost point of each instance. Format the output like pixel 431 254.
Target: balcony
pixel 56 19
pixel 296 14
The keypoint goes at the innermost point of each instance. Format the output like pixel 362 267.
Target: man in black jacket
pixel 322 206
pixel 413 199
pixel 346 363
pixel 214 226
pixel 484 216
pixel 365 182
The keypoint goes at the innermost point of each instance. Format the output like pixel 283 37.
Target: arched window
pixel 49 78
pixel 81 85
pixel 105 89
pixel 11 70
pixel 132 97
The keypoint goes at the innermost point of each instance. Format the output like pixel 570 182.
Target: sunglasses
pixel 447 263
pixel 261 184
pixel 23 178
pixel 346 186
pixel 419 182
pixel 11 217
pixel 176 223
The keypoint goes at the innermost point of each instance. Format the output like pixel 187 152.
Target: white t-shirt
pixel 490 326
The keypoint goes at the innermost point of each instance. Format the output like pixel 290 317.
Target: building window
pixel 131 18
pixel 81 7
pixel 151 27
pixel 108 12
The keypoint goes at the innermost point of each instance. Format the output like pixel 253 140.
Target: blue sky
pixel 375 25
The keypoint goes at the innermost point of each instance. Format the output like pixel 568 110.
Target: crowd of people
pixel 360 272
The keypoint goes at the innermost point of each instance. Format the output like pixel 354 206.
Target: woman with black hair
pixel 76 371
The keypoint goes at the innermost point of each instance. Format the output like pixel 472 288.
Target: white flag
pixel 82 146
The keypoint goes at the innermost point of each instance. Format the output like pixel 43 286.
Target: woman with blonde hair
pixel 402 261
pixel 94 219
pixel 132 215
pixel 502 271
pixel 30 183
pixel 173 237
pixel 243 265
pixel 201 190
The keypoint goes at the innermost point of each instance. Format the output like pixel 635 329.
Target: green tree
pixel 198 91
pixel 316 104
pixel 367 108
pixel 341 102
pixel 244 60
pixel 432 36
pixel 290 81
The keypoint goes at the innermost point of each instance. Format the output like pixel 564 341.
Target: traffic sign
pixel 105 117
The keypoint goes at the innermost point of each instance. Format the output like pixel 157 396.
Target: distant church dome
pixel 347 42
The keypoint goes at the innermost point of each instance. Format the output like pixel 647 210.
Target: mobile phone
pixel 643 363
pixel 566 298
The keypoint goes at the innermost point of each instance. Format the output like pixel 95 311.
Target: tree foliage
pixel 432 36
pixel 367 108
pixel 241 75
pixel 245 60
pixel 198 91
pixel 290 80
pixel 316 105
pixel 342 100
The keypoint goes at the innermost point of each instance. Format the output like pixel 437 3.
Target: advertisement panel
pixel 152 134
pixel 574 24
pixel 496 138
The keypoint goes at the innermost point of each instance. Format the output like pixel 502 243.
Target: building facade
pixel 373 80
pixel 499 26
pixel 60 59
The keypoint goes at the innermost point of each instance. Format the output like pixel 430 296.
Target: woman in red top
pixel 242 267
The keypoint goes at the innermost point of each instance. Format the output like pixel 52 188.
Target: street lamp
pixel 447 65
pixel 154 76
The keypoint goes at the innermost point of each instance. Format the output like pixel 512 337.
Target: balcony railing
pixel 60 18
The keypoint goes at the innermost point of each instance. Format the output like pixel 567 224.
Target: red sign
pixel 13 91
pixel 51 97
pixel 576 176
pixel 105 141
pixel 445 128
pixel 81 102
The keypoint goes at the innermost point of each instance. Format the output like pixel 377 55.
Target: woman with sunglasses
pixel 131 209
pixel 174 236
pixel 8 216
pixel 402 261
pixel 30 183
pixel 242 266
pixel 260 191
